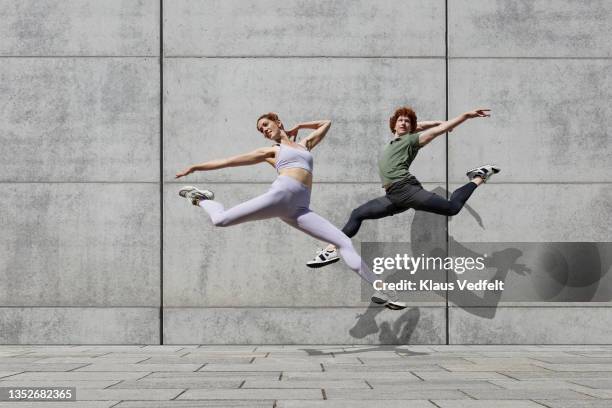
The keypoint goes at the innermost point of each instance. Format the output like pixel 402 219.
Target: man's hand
pixel 478 113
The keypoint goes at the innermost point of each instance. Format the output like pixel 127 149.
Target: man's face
pixel 402 125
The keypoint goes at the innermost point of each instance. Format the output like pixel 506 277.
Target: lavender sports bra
pixel 290 157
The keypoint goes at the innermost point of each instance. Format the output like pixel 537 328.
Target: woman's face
pixel 270 129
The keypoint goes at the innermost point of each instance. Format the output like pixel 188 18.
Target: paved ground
pixel 315 376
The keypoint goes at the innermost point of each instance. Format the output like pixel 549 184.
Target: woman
pixel 402 189
pixel 289 196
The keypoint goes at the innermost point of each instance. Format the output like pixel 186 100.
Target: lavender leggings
pixel 288 199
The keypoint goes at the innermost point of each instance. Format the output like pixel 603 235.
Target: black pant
pixel 406 194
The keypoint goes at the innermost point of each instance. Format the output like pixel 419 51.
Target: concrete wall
pixel 80 136
pixel 544 69
pixel 83 220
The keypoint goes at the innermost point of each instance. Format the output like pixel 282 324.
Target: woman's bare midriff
pixel 301 175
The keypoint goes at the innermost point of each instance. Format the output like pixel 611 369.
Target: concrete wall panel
pixel 531 325
pixel 79 245
pixel 262 263
pixel 424 325
pixel 548 118
pixel 70 325
pixel 211 106
pixel 80 119
pixel 536 213
pixel 315 28
pixel 529 28
pixel 79 27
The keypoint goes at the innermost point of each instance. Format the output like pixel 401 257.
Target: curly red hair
pixel 403 111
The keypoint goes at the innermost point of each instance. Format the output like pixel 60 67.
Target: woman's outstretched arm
pixel 246 159
pixel 449 125
pixel 321 127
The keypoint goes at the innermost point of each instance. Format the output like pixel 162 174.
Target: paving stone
pixel 525 394
pixel 390 368
pixel 568 359
pixel 181 382
pixel 197 404
pixel 297 384
pixel 509 367
pixel 384 386
pixel 256 394
pixel 79 376
pixel 551 384
pixel 198 360
pixel 92 360
pixel 59 383
pixel 458 375
pixel 346 375
pixel 486 404
pixel 396 393
pixel 218 374
pixel 39 367
pixel 139 367
pixel 259 367
pixel 601 394
pixel 72 404
pixel 354 404
pixel 8 373
pixel 125 394
pixel 23 359
pixel 576 367
pixel 605 383
pixel 575 404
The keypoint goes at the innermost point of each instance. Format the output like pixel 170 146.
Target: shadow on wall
pixel 565 272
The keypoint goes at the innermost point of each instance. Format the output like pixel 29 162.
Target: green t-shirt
pixel 396 158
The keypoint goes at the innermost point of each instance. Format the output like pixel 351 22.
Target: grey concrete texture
pixel 338 376
pixel 547 119
pixel 79 244
pixel 526 212
pixel 222 267
pixel 319 28
pixel 424 325
pixel 560 274
pixel 211 106
pixel 531 325
pixel 79 27
pixel 104 126
pixel 529 28
pixel 76 325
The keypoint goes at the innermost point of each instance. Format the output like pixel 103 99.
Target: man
pixel 403 190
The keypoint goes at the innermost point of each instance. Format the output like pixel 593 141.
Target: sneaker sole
pixel 322 264
pixel 183 191
pixel 394 306
pixel 388 305
pixel 187 189
pixel 378 301
pixel 494 168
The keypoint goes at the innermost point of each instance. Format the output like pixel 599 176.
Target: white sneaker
pixel 194 195
pixel 323 257
pixel 388 298
pixel 484 172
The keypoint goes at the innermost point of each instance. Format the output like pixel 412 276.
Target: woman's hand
pixel 293 132
pixel 478 113
pixel 184 172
